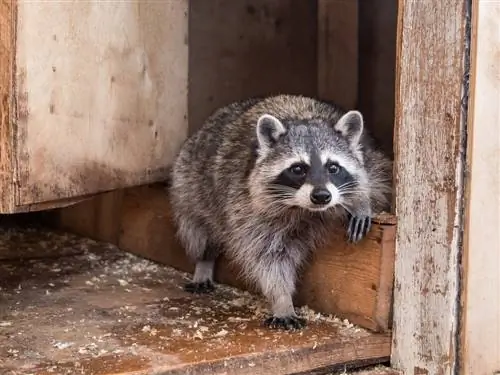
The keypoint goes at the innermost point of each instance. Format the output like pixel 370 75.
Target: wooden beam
pixel 353 282
pixel 429 168
pixel 8 18
pixel 481 299
pixel 338 52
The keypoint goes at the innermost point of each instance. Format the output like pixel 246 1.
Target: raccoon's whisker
pixel 353 191
pixel 347 185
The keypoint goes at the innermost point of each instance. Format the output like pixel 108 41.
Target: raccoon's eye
pixel 298 169
pixel 333 168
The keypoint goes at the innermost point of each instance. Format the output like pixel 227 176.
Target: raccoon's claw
pixel 199 288
pixel 359 226
pixel 287 323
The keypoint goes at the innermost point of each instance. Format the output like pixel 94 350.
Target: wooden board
pixel 377 62
pixel 481 299
pixel 7 53
pixel 98 104
pixel 338 55
pixel 352 282
pixel 102 311
pixel 244 48
pixel 429 171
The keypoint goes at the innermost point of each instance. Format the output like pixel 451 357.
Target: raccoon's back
pixel 208 160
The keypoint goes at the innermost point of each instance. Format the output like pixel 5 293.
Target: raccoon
pixel 265 180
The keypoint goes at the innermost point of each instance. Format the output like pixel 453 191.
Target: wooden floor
pixel 69 305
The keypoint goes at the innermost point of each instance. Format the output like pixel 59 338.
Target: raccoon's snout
pixel 321 196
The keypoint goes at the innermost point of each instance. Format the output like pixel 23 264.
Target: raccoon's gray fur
pixel 265 180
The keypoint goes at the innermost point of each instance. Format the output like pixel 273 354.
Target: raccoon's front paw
pixel 199 288
pixel 359 226
pixel 287 323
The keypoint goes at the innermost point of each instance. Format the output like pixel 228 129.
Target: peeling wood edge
pixel 8 19
pixel 463 172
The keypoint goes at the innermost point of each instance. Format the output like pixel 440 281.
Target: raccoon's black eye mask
pixel 299 169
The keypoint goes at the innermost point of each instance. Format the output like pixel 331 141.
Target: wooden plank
pixel 338 56
pixel 97 217
pixel 352 282
pixel 429 139
pixel 377 61
pixel 99 104
pixel 244 48
pixel 481 296
pixel 125 315
pixel 8 17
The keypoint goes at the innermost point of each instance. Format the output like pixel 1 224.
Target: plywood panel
pixel 101 94
pixel 481 317
pixel 429 175
pixel 244 48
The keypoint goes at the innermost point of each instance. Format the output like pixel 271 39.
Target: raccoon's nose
pixel 320 196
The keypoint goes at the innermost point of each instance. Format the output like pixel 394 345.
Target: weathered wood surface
pixel 7 55
pixel 244 48
pixel 98 310
pixel 98 104
pixel 338 55
pixel 429 173
pixel 481 302
pixel 352 282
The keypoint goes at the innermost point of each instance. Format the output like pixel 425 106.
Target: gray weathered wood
pixel 428 174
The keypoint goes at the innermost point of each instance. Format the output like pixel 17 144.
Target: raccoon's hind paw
pixel 287 323
pixel 358 228
pixel 200 288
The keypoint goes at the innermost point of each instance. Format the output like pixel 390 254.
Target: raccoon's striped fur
pixel 265 180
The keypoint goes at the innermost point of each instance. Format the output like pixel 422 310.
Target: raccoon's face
pixel 310 164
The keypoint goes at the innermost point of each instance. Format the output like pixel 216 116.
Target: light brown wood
pixel 244 48
pixel 352 282
pixel 429 173
pixel 338 56
pixel 481 258
pixel 102 311
pixel 377 61
pixel 98 105
pixel 7 130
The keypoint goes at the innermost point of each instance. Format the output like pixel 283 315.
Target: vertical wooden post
pixel 338 52
pixel 429 172
pixel 481 297
pixel 8 18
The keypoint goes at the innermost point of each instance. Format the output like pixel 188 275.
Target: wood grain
pixel 8 18
pixel 338 56
pixel 352 282
pixel 100 106
pixel 481 258
pixel 244 48
pixel 428 174
pixel 126 315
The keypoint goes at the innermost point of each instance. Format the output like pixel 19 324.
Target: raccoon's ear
pixel 351 126
pixel 269 129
